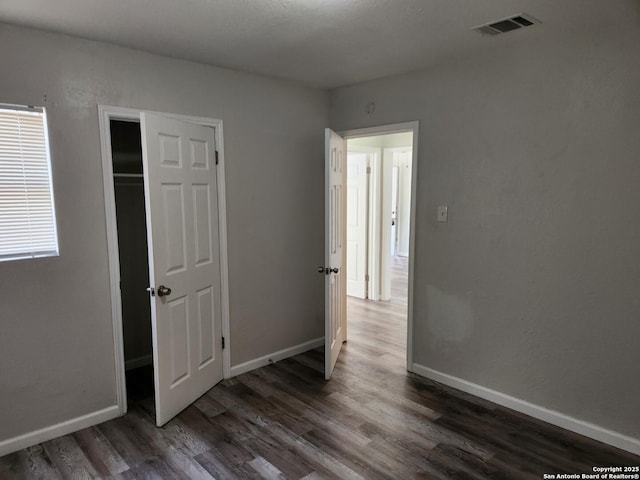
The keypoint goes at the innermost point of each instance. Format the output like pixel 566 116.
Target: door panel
pixel 173 227
pixel 205 324
pixel 202 215
pixel 182 223
pixel 335 260
pixel 179 331
pixel 357 212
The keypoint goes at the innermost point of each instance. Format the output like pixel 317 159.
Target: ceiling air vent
pixel 506 25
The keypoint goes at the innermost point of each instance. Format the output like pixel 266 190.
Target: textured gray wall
pixel 56 340
pixel 533 287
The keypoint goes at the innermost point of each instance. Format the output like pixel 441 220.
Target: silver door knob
pixel 163 291
pixel 328 270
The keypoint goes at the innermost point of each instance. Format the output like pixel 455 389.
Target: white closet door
pixel 184 268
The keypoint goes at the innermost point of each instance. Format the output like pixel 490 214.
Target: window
pixel 27 213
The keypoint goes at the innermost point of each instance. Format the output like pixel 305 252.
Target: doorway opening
pixel 378 230
pixel 165 212
pixel 128 181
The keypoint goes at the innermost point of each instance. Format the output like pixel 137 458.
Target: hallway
pixel 380 328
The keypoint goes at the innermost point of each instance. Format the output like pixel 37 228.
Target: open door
pixel 357 219
pixel 335 286
pixel 184 268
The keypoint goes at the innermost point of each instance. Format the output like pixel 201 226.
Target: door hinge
pixel 368 170
pixel 366 277
pixel 216 157
pixel 223 343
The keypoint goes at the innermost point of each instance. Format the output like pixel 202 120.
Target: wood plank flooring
pixel 373 420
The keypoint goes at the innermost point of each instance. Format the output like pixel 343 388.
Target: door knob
pixel 163 291
pixel 328 270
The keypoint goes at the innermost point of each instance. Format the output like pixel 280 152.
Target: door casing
pixel 384 130
pixel 105 115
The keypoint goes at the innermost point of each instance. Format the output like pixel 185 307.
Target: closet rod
pixel 128 175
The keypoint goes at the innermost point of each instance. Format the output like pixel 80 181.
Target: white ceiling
pixel 322 43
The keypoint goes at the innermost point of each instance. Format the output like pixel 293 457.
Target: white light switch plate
pixel 443 215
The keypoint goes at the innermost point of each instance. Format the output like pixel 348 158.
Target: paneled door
pixel 357 219
pixel 184 267
pixel 335 238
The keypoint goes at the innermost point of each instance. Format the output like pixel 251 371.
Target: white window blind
pixel 27 213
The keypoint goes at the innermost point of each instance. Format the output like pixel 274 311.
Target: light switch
pixel 443 215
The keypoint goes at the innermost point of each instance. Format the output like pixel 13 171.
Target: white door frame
pixel 105 115
pixel 384 130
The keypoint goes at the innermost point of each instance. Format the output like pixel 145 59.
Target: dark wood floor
pixel 372 420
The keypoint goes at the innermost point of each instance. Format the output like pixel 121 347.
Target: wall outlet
pixel 443 214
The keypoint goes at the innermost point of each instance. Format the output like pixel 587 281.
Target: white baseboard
pixel 276 356
pixel 38 436
pixel 138 362
pixel 561 420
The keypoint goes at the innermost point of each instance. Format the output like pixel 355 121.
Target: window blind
pixel 27 213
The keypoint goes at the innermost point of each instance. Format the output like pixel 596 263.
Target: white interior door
pixel 357 213
pixel 404 202
pixel 184 267
pixel 335 286
pixel 394 209
pixel 386 227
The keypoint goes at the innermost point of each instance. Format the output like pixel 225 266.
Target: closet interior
pixel 126 147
